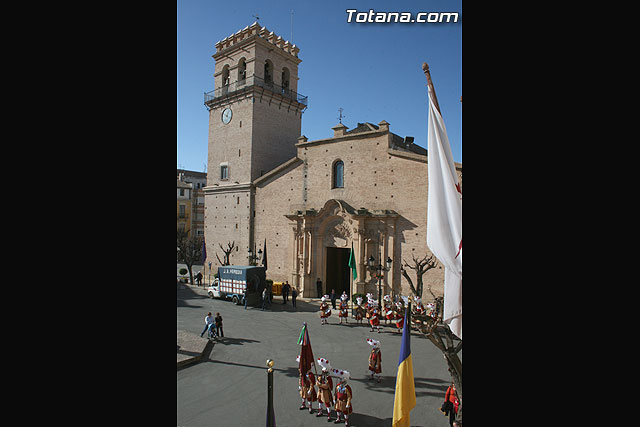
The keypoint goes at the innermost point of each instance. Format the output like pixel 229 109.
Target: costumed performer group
pixel 325 395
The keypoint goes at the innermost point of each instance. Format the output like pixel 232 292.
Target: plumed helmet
pixel 341 374
pixel 359 300
pixel 373 343
pixel 324 363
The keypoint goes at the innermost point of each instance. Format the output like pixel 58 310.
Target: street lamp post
pixel 378 269
pixel 209 273
pixel 253 259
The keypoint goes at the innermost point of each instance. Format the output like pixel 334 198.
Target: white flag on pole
pixel 444 216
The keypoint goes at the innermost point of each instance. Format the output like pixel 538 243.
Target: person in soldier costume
pixel 325 310
pixel 387 309
pixel 343 395
pixel 306 385
pixel 375 359
pixel 374 321
pixel 359 310
pixel 325 386
pixel 344 308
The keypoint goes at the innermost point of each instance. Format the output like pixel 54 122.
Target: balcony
pixel 253 81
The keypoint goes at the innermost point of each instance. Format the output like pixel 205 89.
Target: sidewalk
pixel 192 348
pixel 277 299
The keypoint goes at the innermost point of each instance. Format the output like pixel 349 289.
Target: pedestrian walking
pixel 265 295
pixel 245 298
pixel 333 298
pixel 199 278
pixel 319 287
pixel 208 320
pixel 294 294
pixel 451 403
pixel 218 321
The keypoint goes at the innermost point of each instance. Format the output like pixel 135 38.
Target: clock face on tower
pixel 226 115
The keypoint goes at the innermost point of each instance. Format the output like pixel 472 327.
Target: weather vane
pixel 340 110
pixel 257 17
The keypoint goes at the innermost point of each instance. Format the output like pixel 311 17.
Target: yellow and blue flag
pixel 405 398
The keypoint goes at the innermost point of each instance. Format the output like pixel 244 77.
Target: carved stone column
pixel 360 258
pixel 391 234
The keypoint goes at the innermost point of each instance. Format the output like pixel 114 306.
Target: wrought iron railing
pixel 254 81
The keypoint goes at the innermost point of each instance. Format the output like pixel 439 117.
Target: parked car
pixel 214 289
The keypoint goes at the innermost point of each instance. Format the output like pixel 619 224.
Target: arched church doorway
pixel 337 271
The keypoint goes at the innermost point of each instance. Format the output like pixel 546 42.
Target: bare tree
pixel 227 252
pixel 190 250
pixel 420 266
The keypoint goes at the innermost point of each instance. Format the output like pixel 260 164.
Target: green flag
pixel 352 263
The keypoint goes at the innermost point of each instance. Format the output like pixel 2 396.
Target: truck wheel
pixel 210 294
pixel 235 300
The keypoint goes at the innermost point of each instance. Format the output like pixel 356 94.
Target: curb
pixel 196 359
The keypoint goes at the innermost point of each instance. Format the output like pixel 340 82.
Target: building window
pixel 285 80
pixel 268 71
pixel 182 191
pixel 242 70
pixel 224 171
pixel 182 211
pixel 338 174
pixel 225 75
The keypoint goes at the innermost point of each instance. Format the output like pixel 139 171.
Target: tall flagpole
pixel 425 68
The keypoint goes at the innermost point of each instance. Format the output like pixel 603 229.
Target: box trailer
pixel 234 279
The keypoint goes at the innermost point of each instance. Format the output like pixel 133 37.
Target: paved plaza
pixel 228 386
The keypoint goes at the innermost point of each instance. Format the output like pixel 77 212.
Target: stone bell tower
pixel 255 116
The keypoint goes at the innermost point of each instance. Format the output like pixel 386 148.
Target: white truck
pixel 232 281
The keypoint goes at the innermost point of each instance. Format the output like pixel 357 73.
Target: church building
pixel 312 201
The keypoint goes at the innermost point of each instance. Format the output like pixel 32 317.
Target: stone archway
pixel 321 237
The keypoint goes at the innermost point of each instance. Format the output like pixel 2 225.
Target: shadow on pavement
pixel 362 420
pixel 424 386
pixel 301 306
pixel 234 341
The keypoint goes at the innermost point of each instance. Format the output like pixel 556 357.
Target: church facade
pixel 312 201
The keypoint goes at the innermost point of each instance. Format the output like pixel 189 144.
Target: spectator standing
pixel 333 298
pixel 264 298
pixel 218 321
pixel 319 287
pixel 286 288
pixel 199 278
pixel 245 298
pixel 294 294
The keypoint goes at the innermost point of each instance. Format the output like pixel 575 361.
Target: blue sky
pixel 372 70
